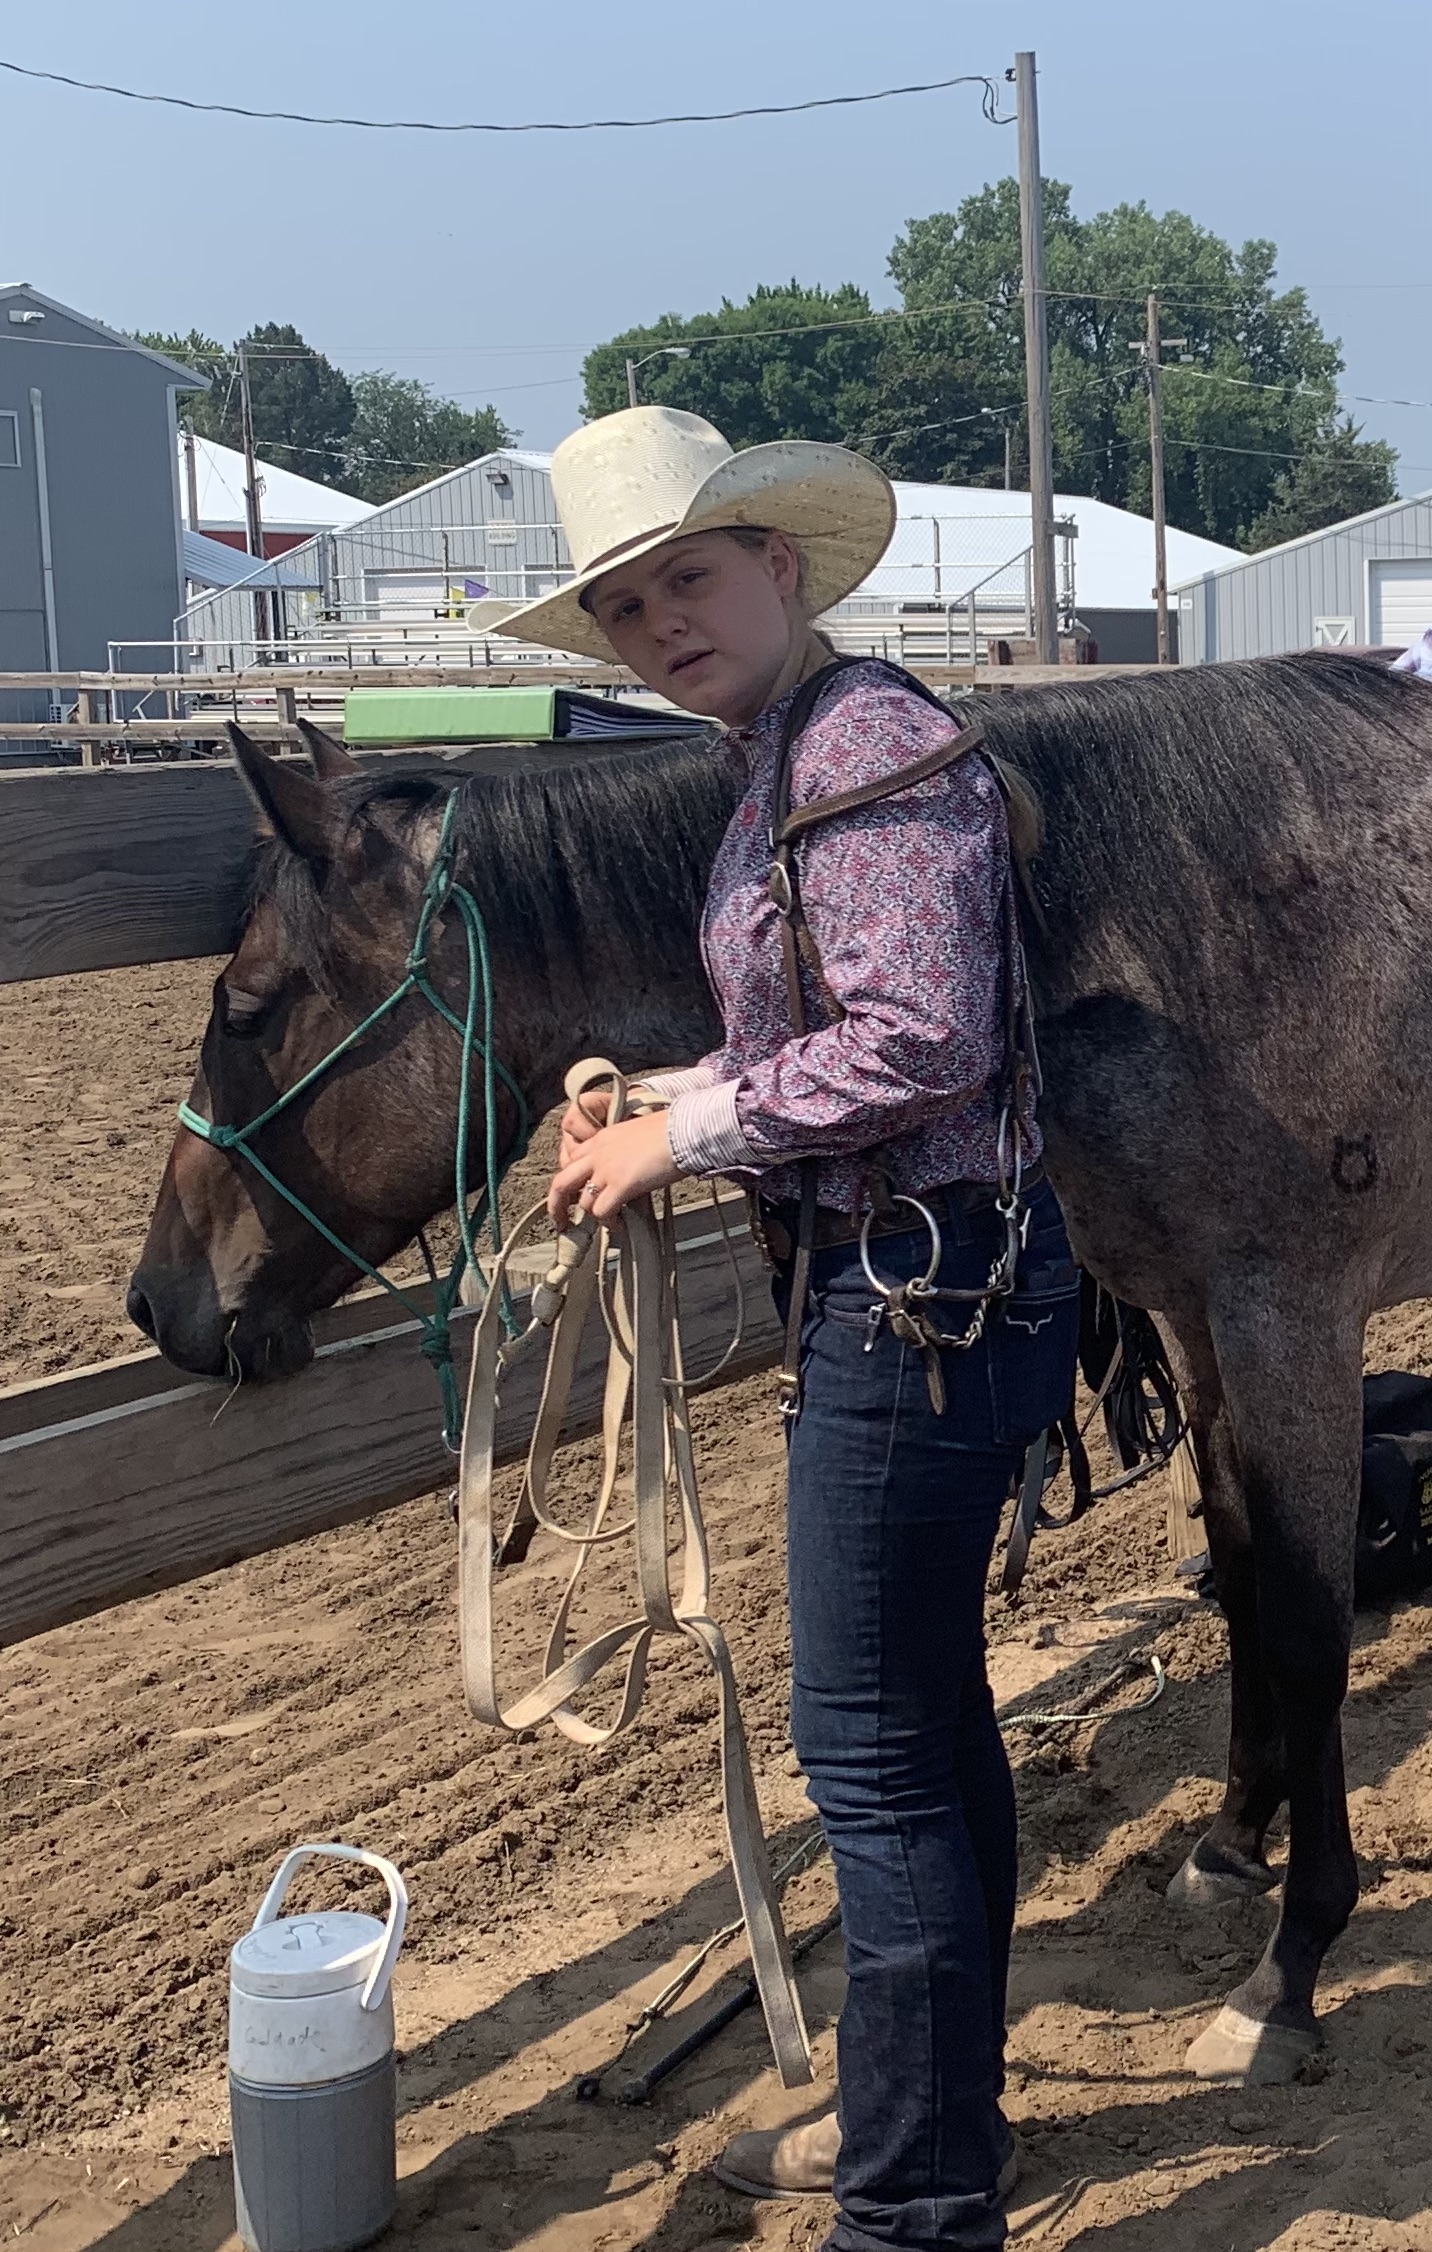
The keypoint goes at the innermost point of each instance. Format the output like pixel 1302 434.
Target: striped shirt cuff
pixel 667 1085
pixel 705 1133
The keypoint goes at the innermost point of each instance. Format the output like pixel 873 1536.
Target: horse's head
pixel 230 1271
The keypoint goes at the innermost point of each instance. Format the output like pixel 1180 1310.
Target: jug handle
pixel 378 1978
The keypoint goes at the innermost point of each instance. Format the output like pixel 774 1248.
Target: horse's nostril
pixel 139 1310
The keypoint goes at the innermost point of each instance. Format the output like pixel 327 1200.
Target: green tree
pixel 1254 399
pixel 812 383
pixel 303 405
pixel 205 409
pixel 1341 475
pixel 403 434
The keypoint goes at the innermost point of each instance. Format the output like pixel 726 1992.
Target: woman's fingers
pixel 568 1183
pixel 612 1167
pixel 581 1120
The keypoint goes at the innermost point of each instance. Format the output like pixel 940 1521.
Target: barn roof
pixel 186 378
pixel 1114 553
pixel 289 503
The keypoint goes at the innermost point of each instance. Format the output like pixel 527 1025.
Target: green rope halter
pixel 440 891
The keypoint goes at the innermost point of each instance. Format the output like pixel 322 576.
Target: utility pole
pixel 251 476
pixel 1151 351
pixel 1036 364
pixel 252 511
pixel 631 383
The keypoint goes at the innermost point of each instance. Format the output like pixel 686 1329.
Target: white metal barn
pixel 1366 583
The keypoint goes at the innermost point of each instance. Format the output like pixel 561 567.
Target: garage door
pixel 1401 603
pixel 400 593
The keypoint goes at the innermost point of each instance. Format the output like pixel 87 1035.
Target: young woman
pixel 701 570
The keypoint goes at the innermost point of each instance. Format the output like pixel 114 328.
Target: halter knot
pixel 436 1347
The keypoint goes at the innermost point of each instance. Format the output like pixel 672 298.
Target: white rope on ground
pixel 1084 1708
pixel 644 1370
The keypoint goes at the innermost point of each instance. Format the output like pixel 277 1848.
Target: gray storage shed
pixel 1364 583
pixel 90 544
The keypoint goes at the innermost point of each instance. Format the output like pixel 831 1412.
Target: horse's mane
pixel 1169 794
pixel 1157 788
pixel 620 844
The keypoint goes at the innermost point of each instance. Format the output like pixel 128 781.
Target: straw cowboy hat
pixel 633 481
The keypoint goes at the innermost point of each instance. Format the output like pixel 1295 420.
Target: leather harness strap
pixel 798 943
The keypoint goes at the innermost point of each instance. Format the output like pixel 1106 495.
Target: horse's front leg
pixel 1289 1362
pixel 1228 1861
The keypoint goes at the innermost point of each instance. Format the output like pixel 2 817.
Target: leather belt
pixel 776 1224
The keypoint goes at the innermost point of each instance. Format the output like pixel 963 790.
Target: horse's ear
pixel 330 761
pixel 297 808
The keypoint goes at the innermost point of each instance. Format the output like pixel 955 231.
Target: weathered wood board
pixel 123 1479
pixel 101 868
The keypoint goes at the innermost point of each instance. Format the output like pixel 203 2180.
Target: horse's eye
pixel 244 1013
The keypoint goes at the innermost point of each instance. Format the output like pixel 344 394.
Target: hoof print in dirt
pixel 1252 2055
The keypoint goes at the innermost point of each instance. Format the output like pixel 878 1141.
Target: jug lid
pixel 298 1955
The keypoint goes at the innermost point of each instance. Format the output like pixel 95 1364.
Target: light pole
pixel 1001 416
pixel 663 352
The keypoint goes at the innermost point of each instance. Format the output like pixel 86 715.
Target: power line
pixel 216 362
pixel 989 105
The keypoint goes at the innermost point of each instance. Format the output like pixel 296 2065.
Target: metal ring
pixel 937 1249
pixel 1008 1198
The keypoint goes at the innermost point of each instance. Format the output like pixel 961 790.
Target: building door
pixel 1400 602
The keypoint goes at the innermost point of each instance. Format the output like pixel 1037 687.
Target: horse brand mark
pixel 1355 1164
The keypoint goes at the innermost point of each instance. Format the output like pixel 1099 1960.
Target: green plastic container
pixel 449 715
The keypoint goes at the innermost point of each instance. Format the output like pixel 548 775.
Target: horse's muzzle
pixel 183 1316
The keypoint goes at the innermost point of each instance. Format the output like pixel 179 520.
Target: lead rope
pixel 644 1368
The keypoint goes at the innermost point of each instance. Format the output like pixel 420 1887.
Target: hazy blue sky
pixel 487 266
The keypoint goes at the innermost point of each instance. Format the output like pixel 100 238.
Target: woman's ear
pixel 783 559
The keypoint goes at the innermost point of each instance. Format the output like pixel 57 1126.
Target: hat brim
pixel 838 505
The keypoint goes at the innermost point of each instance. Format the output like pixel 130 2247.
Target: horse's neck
pixel 620 979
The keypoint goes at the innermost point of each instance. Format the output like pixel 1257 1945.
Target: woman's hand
pixel 611 1165
pixel 580 1121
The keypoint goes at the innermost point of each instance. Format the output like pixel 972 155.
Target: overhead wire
pixel 989 105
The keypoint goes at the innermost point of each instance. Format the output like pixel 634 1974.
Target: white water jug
pixel 312 2078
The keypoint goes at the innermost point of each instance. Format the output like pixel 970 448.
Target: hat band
pixel 624 547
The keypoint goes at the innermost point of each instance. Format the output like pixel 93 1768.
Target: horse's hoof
pixel 1240 2049
pixel 1218 1878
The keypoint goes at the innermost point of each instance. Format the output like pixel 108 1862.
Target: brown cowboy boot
pixel 800 2161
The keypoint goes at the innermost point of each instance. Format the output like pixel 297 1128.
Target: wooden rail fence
pixel 128 1477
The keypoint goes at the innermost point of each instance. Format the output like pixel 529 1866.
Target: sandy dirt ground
pixel 156 1761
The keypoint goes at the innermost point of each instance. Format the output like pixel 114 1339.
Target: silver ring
pixel 926 1282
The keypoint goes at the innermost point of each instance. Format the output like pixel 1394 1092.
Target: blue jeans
pixel 893 1512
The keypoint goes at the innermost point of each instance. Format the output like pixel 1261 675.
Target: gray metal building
pixel 1365 583
pixel 90 543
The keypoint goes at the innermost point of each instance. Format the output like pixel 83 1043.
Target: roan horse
pixel 1234 984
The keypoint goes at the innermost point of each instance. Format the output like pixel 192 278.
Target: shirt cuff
pixel 705 1133
pixel 667 1085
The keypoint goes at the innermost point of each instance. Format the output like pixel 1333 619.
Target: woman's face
pixel 706 622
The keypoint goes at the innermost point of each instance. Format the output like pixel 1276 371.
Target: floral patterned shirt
pixel 903 900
